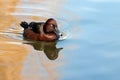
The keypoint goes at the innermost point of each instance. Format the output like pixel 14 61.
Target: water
pixel 91 51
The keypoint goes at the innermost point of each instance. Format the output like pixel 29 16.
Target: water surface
pixel 91 51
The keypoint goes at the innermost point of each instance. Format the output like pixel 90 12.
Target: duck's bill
pixel 57 31
pixel 60 34
pixel 63 36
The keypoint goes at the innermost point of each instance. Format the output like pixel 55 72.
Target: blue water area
pixel 92 51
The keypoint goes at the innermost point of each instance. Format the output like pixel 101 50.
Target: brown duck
pixel 41 31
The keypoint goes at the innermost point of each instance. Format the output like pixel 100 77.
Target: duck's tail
pixel 24 24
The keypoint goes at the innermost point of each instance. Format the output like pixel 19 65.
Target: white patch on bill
pixel 63 36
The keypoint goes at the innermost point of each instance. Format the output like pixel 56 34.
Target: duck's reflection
pixel 49 48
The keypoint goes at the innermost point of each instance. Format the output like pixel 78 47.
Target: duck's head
pixel 50 26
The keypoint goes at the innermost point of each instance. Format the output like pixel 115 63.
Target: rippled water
pixel 91 51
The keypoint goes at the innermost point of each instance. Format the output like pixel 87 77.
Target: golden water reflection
pixel 11 55
pixel 15 63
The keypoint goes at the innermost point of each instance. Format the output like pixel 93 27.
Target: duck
pixel 41 31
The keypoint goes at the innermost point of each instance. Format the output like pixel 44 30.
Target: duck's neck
pixel 44 28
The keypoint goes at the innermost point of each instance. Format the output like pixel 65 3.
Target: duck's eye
pixel 51 25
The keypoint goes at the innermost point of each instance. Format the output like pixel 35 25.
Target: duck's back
pixel 35 26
